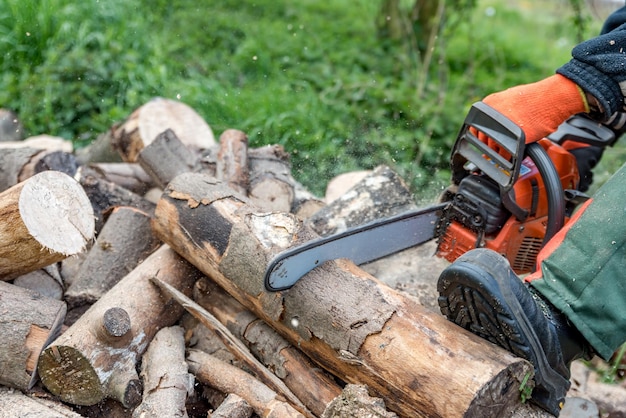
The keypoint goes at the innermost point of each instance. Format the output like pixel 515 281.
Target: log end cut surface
pixel 57 212
pixel 68 374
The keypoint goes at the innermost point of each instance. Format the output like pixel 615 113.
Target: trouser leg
pixel 584 275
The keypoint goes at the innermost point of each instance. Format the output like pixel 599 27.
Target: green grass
pixel 309 75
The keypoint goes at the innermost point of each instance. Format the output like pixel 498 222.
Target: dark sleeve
pixel 598 65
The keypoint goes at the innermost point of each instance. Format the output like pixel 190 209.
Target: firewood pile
pixel 132 285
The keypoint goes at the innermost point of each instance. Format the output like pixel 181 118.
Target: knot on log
pixel 116 322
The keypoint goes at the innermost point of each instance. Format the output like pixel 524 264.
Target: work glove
pixel 538 108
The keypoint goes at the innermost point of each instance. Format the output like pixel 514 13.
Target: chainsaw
pixel 512 202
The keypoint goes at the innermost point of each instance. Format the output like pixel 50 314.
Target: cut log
pixel 233 407
pixel 124 242
pixel 341 317
pixel 154 117
pixel 28 322
pixel 166 381
pixel 127 175
pixel 105 195
pixel 43 220
pixel 271 184
pixel 14 403
pixel 230 379
pixel 166 157
pixel 314 387
pixel 95 358
pixel 232 160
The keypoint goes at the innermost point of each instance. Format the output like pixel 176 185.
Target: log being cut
pixel 341 317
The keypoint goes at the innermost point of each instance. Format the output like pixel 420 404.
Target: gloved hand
pixel 538 108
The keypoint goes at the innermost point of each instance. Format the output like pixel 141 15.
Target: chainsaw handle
pixel 470 153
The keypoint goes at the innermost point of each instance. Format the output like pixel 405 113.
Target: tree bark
pixel 124 242
pixel 28 322
pixel 230 379
pixel 166 380
pixel 44 220
pixel 96 357
pixel 315 388
pixel 417 361
pixel 153 118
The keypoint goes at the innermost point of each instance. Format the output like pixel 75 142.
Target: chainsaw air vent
pixel 526 257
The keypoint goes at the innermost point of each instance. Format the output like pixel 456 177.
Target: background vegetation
pixel 325 79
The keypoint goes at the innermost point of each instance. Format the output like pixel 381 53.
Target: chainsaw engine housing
pixel 476 216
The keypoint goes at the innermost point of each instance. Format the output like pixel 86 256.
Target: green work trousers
pixel 585 276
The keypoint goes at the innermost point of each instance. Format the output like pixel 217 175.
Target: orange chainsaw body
pixel 518 241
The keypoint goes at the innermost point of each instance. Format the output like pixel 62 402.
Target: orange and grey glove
pixel 539 108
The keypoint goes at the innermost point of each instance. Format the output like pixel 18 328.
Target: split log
pixel 233 407
pixel 314 387
pixel 130 176
pixel 105 195
pixel 166 380
pixel 14 403
pixel 154 117
pixel 96 357
pixel 271 185
pixel 27 324
pixel 416 360
pixel 43 220
pixel 232 160
pixel 124 242
pixel 380 194
pixel 166 157
pixel 230 379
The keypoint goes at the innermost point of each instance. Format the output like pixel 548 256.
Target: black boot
pixel 481 293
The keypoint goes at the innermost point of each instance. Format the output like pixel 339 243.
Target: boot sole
pixel 476 295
